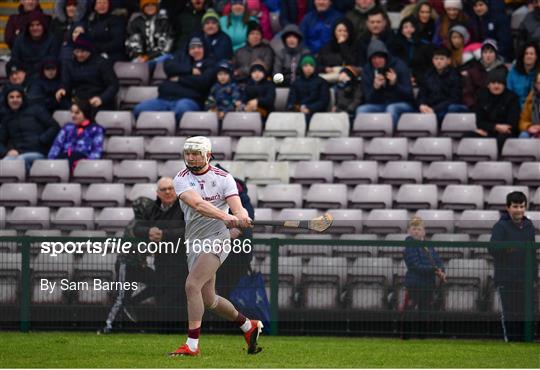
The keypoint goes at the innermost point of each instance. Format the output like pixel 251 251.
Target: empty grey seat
pixel 156 123
pixel 104 195
pixel 9 248
pixel 124 147
pixel 239 168
pixel 221 147
pixel 477 221
pixel 23 218
pixel 372 125
pixel 2 217
pixel 63 117
pixel 12 171
pixel 449 252
pixel 165 147
pixel 473 149
pixel 70 218
pixel 343 149
pixel 463 197
pixel 329 125
pixel 116 122
pixel 54 269
pixel 535 219
pixel 369 280
pixel 263 173
pixel 50 170
pixel 239 124
pixel 142 190
pixel 417 125
pixel 357 172
pixel 43 233
pixel 129 73
pixel 417 196
pixel 529 174
pixel 387 149
pixel 88 233
pixel 437 220
pixel 280 103
pixel 299 149
pixel 253 194
pixel 113 219
pixel 517 150
pixel 290 270
pixel 91 267
pixel 323 279
pixel 256 149
pixel 311 172
pixel 371 196
pixel 327 196
pixel 355 251
pixel 309 250
pixel 346 221
pixel 93 170
pixel 159 75
pixel 136 94
pixel 17 194
pixel 61 195
pixel 131 172
pixel 170 168
pixel 457 124
pixel 285 124
pixel 381 221
pixel 281 196
pixel 491 173
pixel 431 149
pixel 198 123
pixel 466 279
pixel 401 172
pixel 535 200
pixel 496 198
pixel 265 214
pixel 446 173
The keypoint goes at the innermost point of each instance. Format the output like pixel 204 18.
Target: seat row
pixel 278 196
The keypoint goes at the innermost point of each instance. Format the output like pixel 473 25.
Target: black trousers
pixel 512 296
pixel 417 316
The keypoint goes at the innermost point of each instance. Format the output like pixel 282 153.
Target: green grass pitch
pixel 88 350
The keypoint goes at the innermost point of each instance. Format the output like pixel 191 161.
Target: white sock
pixel 193 344
pixel 246 326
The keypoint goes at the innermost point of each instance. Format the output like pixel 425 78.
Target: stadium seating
pixel 416 197
pixel 92 267
pixel 155 123
pixel 417 125
pixel 142 190
pixel 295 214
pixel 221 147
pixel 431 149
pixel 198 123
pixel 91 171
pixel 474 150
pixel 457 124
pixel 133 95
pixel 165 147
pixel 322 281
pixel 491 173
pixel 446 173
pixel 342 149
pixel 159 75
pixel 517 150
pixel 462 197
pixel 281 196
pixel 104 195
pixel 325 196
pixel 10 270
pixel 356 172
pixel 476 221
pixel 384 221
pixel 369 280
pixel 238 124
pixel 290 271
pixel 387 149
pixel 116 122
pixel 12 171
pixel 437 220
pixel 262 173
pixel 466 279
pixel 372 125
pixel 329 125
pixel 132 172
pixel 311 172
pixel 70 218
pixel 63 117
pixel 299 149
pixel 371 196
pixel 61 195
pixel 235 168
pixel 401 172
pixel 23 218
pixel 124 147
pixel 528 174
pixel 256 149
pixel 282 94
pixel 170 168
pixel 49 170
pixel 113 219
pixel 447 253
pixel 54 269
pixel 18 194
pixel 348 221
pixel 132 73
pixel 285 124
pixel 535 200
pixel 354 251
pixel 496 198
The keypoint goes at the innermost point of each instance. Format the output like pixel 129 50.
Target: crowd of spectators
pixel 445 56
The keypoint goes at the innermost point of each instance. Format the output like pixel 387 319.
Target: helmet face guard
pixel 197 144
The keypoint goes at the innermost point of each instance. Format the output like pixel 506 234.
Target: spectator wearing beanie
pixel 235 23
pixel 440 88
pixel 34 44
pixel 529 122
pixel 255 49
pixel 309 93
pixel 107 31
pixel 486 24
pixel 225 94
pixel 88 76
pixel 149 35
pixel 475 71
pixel 287 58
pixel 66 14
pixel 259 94
pixel 66 50
pixel 386 83
pixel 348 92
pixel 497 109
pixel 82 138
pixel 43 90
pixel 26 132
pixel 16 77
pixel 216 42
pixel 523 71
pixel 317 25
pixel 16 23
pixel 453 14
pixel 190 76
pixel 338 52
pixel 188 21
pixel 461 47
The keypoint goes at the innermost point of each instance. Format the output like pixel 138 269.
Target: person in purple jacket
pixel 81 139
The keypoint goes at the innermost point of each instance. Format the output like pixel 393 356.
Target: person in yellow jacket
pixel 529 121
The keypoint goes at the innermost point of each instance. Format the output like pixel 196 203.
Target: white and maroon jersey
pixel 214 186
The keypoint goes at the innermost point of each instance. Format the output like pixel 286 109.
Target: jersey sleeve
pixel 229 186
pixel 181 185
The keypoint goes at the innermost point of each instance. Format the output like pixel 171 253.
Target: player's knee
pixel 192 287
pixel 211 302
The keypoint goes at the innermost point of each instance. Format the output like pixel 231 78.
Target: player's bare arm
pixel 235 204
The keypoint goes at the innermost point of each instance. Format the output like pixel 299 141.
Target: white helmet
pixel 199 144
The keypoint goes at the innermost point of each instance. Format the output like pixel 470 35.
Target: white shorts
pixel 193 252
